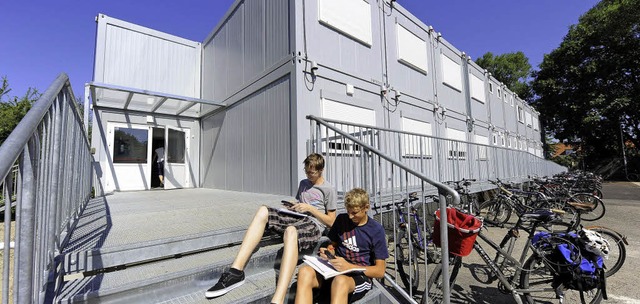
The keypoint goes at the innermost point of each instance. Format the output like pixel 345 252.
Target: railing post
pixel 444 247
pixel 25 218
pixel 6 271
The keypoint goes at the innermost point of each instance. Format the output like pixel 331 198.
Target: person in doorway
pixel 159 157
pixel 315 198
pixel 357 241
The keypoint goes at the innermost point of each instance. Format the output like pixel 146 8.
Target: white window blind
pixel 414 145
pixel 527 117
pixel 335 143
pixel 412 50
pixel 451 73
pixel 482 150
pixel 520 114
pixel 456 149
pixel 350 17
pixel 477 88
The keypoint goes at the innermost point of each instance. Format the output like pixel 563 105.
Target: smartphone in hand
pixel 329 255
pixel 287 203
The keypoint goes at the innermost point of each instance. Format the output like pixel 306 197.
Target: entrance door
pixel 176 169
pixel 158 141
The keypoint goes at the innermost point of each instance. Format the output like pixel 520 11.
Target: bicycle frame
pixel 508 283
pixel 402 223
pixel 511 284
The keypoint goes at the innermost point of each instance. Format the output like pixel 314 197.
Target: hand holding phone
pixel 329 255
pixel 327 252
pixel 287 204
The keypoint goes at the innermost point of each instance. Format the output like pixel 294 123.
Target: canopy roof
pixel 123 98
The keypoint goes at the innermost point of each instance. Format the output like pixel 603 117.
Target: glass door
pixel 176 171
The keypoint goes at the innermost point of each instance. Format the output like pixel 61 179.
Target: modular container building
pixel 231 109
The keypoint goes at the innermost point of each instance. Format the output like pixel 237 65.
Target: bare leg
pixel 287 265
pixel 341 287
pixel 251 238
pixel 307 280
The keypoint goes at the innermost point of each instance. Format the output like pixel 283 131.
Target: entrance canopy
pixel 123 98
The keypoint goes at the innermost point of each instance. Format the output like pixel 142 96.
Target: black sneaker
pixel 227 282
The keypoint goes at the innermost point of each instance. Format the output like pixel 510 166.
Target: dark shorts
pixel 160 167
pixel 308 232
pixel 363 285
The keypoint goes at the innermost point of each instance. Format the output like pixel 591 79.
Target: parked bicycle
pixel 531 277
pixel 558 192
pixel 498 211
pixel 413 240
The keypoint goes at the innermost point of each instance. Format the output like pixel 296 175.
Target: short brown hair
pixel 356 198
pixel 314 161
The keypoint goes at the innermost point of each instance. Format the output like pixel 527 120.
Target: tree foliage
pixel 588 89
pixel 512 69
pixel 13 109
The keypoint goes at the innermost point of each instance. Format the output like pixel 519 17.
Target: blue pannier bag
pixel 574 267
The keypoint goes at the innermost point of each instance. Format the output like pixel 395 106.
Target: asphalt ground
pixel 622 201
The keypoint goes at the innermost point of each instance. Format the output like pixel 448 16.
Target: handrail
pixel 448 190
pixel 52 186
pixel 443 191
pixel 13 145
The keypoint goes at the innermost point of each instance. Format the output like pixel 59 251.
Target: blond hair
pixel 356 198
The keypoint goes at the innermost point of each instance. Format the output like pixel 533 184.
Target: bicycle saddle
pixel 542 215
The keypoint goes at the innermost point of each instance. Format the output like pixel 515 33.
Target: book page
pixel 325 268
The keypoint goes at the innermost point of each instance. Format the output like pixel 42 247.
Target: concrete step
pixel 185 280
pixel 259 288
pixel 161 280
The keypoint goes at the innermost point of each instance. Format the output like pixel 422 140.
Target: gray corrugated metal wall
pixel 252 38
pixel 247 147
pixel 133 56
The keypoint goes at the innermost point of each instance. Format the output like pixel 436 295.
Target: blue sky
pixel 41 38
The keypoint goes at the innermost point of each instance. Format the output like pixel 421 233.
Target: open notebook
pixel 324 268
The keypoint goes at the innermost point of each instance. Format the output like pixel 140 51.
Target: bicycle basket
pixel 462 228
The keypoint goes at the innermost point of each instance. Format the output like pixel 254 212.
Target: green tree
pixel 512 69
pixel 13 109
pixel 588 89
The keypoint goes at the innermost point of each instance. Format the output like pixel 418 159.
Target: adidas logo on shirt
pixel 351 244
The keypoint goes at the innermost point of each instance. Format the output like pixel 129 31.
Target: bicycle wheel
pixel 434 285
pixel 495 212
pixel 617 250
pixel 591 207
pixel 407 261
pixel 536 279
pixel 597 192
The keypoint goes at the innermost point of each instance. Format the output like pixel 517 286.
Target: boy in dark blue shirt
pixel 357 241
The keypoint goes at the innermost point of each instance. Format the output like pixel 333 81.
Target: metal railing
pixel 353 159
pixel 390 164
pixel 12 200
pixel 52 186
